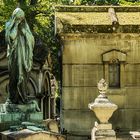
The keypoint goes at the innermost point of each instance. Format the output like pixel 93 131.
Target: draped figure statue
pixel 20 42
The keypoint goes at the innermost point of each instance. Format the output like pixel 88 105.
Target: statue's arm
pixel 14 32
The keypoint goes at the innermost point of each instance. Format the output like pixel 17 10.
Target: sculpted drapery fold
pixel 20 55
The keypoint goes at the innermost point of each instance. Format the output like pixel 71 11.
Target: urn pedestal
pixel 103 109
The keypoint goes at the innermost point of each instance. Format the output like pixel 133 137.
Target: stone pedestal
pixel 15 114
pixel 103 109
pixel 9 119
pixel 105 132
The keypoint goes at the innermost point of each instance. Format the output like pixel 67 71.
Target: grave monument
pixel 20 44
pixel 103 109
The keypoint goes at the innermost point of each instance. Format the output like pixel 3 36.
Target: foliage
pixel 40 17
pixel 101 2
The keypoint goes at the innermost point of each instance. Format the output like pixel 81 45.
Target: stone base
pixel 32 106
pixel 107 126
pixel 26 134
pixel 9 119
pixel 103 132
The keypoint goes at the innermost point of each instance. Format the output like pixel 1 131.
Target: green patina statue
pixel 20 56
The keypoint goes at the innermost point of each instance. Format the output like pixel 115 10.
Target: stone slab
pixel 104 126
pixel 82 75
pixel 9 119
pixel 38 116
pixel 106 138
pixel 107 133
pixel 26 134
pixel 69 137
pixel 103 134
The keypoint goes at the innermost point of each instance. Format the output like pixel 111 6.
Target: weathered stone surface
pixel 126 119
pixel 106 134
pixel 78 97
pixel 84 45
pixel 34 128
pixel 80 137
pixel 8 119
pixel 89 19
pixel 26 134
pixel 52 125
pixel 118 99
pixel 38 116
pixel 82 75
pixel 80 54
pixel 109 133
pixel 105 138
pixel 114 54
pixel 103 108
pixel 97 8
pixel 104 126
pixel 81 123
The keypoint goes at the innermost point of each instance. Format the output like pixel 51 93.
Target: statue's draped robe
pixel 20 59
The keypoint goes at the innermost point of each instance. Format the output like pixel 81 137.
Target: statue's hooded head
pixel 18 14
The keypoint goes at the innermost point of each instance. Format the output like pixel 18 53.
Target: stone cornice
pixel 100 29
pixel 97 19
pixel 96 8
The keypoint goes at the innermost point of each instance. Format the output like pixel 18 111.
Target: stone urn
pixel 102 107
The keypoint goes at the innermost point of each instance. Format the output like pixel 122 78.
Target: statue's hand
pixel 23 30
pixel 17 23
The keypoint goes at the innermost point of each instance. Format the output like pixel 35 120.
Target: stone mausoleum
pixel 99 42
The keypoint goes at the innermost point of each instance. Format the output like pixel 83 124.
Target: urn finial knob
pixel 102 86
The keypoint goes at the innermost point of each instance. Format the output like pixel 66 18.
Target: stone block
pixel 34 128
pixel 77 137
pixel 133 70
pixel 78 121
pixel 105 138
pixel 37 116
pixel 104 126
pixel 119 100
pixel 81 51
pixel 27 107
pixel 82 75
pixel 132 98
pixel 10 117
pixel 126 119
pixel 52 125
pixel 106 132
pixel 78 97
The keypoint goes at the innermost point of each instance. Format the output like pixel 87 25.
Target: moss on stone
pixel 95 19
pixel 96 8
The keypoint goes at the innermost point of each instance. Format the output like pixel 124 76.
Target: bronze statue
pixel 20 56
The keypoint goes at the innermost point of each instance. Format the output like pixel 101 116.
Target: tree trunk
pixel 21 3
pixel 33 2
